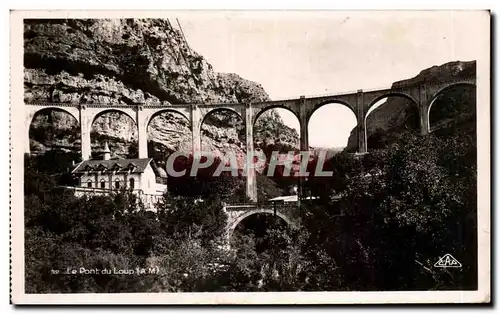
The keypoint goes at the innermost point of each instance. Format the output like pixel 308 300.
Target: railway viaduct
pixel 360 102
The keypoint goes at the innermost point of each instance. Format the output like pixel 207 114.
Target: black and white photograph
pixel 247 154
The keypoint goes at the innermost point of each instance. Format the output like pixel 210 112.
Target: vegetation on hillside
pixel 401 210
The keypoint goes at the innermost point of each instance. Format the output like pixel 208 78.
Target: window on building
pixel 117 184
pixel 89 183
pixel 103 184
pixel 132 183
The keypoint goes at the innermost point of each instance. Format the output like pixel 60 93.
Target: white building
pixel 103 176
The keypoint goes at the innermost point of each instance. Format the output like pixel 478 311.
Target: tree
pixel 205 184
pixel 404 208
pixel 186 217
pixel 343 165
pixel 399 211
pixel 414 206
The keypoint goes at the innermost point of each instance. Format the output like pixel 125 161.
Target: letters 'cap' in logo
pixel 447 261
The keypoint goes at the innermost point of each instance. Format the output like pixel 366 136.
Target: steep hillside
pixel 398 114
pixel 126 61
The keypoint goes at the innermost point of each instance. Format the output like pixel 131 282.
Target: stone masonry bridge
pixel 289 213
pixel 360 102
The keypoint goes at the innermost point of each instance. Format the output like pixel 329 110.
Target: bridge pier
pixel 85 125
pixel 304 136
pixel 142 132
pixel 423 110
pixel 361 127
pixel 196 128
pixel 304 141
pixel 361 135
pixel 251 182
pixel 424 120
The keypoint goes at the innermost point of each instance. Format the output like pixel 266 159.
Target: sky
pixel 311 52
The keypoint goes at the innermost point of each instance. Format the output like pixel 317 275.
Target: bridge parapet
pixel 386 89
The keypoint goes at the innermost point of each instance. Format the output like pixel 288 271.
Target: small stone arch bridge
pixel 289 213
pixel 359 102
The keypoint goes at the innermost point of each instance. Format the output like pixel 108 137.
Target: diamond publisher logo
pixel 448 261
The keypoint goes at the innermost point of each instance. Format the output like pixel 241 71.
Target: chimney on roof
pixel 106 153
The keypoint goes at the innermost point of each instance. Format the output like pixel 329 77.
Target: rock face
pixel 126 61
pixel 398 114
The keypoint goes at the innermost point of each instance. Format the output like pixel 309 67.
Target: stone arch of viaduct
pixel 359 102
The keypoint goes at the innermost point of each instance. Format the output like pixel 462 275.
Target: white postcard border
pixel 17 199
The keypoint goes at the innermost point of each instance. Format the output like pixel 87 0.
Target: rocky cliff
pixel 398 114
pixel 126 61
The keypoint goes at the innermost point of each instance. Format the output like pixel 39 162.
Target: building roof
pixel 288 198
pixel 291 198
pixel 137 165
